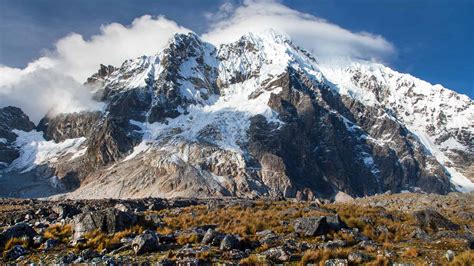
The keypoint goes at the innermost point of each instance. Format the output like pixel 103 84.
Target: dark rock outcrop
pixel 108 220
pixel 11 118
pixel 311 226
pixel 433 220
pixel 146 242
pixel 17 231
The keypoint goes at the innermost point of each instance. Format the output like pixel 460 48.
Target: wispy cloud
pixel 52 83
pixel 321 37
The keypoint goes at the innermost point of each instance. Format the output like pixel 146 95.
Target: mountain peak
pixel 259 116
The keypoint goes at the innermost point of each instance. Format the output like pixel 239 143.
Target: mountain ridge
pixel 257 117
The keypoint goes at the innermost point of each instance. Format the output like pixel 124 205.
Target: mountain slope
pixel 259 117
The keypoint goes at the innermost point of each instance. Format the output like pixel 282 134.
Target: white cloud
pixel 52 83
pixel 317 35
pixel 115 44
pixel 46 91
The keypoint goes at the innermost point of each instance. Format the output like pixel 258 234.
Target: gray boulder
pixel 277 254
pixel 229 242
pixel 358 257
pixel 65 210
pixel 311 226
pixel 433 220
pixel 268 238
pixel 16 252
pixel 336 262
pixel 109 221
pixel 335 222
pixel 146 242
pixel 17 231
pixel 209 236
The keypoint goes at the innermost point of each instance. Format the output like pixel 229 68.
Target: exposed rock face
pixel 433 220
pixel 259 117
pixel 69 126
pixel 11 118
pixel 108 220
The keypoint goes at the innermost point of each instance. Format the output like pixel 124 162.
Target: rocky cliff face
pixel 258 117
pixel 12 118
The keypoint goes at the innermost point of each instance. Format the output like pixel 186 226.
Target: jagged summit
pixel 256 117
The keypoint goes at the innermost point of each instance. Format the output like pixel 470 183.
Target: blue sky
pixel 433 39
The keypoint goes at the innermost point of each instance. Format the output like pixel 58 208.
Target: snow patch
pixel 35 150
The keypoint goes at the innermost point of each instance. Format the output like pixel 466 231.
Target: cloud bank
pixel 53 83
pixel 317 35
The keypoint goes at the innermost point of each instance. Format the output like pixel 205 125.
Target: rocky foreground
pixel 401 228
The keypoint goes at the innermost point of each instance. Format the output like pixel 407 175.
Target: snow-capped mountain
pixel 257 117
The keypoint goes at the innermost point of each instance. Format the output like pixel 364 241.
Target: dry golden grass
pixel 465 258
pixel 320 256
pixel 379 261
pixel 164 230
pixel 411 252
pixel 59 232
pixel 98 240
pixel 253 259
pixel 22 241
pixel 354 217
pixel 237 219
pixel 187 239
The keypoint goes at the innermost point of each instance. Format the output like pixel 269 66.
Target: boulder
pixel 208 236
pixel 335 222
pixel 336 262
pixel 358 257
pixel 65 210
pixel 277 254
pixel 108 220
pixel 268 238
pixel 17 231
pixel 16 252
pixel 449 255
pixel 229 242
pixel 50 244
pixel 146 242
pixel 333 244
pixel 311 226
pixel 433 220
pixel 342 197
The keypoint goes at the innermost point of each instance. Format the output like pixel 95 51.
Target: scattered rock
pixel 229 242
pixel 268 238
pixel 65 211
pixel 311 226
pixel 335 222
pixel 146 242
pixel 16 252
pixel 449 255
pixel 434 220
pixel 336 262
pixel 208 236
pixel 358 257
pixel 50 244
pixel 333 244
pixel 278 254
pixel 109 220
pixel 342 197
pixel 68 259
pixel 17 231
